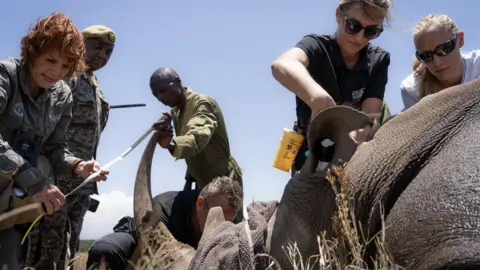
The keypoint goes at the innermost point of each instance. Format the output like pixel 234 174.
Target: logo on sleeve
pixel 357 94
pixel 18 109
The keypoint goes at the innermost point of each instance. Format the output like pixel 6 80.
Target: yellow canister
pixel 288 149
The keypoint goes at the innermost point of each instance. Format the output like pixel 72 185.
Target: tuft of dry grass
pixel 81 261
pixel 346 250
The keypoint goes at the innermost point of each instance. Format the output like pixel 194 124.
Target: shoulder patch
pixel 18 109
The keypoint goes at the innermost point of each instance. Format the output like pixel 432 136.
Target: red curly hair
pixel 57 31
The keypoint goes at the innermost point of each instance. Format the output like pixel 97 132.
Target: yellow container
pixel 288 149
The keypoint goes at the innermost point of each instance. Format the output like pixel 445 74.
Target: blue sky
pixel 220 48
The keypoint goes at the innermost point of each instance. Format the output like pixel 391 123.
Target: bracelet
pixel 75 164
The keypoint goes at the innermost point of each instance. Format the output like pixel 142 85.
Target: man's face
pixel 168 92
pixel 204 205
pixel 97 53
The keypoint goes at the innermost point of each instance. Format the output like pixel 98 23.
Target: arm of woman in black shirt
pixel 290 70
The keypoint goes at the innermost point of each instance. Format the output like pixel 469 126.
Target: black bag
pixel 126 225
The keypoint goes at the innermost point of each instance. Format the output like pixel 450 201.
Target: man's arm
pixel 290 70
pixel 55 146
pixel 200 129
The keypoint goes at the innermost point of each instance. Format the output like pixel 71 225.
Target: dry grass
pixel 346 251
pixel 80 261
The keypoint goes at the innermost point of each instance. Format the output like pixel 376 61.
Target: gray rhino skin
pixel 422 167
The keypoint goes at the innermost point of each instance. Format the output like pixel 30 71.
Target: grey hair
pixel 224 185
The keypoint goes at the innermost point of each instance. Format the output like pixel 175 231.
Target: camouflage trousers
pixel 48 239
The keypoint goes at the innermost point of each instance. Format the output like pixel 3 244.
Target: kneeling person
pixel 184 213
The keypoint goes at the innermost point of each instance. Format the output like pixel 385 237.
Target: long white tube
pixel 115 160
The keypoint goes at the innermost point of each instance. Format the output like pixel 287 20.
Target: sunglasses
pixel 354 26
pixel 441 50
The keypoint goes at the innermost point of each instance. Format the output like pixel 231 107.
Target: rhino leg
pixel 214 218
pixel 308 201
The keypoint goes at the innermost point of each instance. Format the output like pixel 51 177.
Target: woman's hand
pixel 85 168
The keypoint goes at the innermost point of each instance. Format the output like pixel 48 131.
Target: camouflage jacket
pixel 89 116
pixel 48 117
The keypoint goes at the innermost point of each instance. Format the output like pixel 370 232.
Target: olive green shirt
pixel 202 139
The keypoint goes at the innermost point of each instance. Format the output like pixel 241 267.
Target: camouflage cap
pixel 100 32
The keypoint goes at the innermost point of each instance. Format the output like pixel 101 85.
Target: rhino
pixel 420 174
pixel 418 178
pixel 156 247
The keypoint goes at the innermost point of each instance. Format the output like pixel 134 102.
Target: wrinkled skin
pixel 308 197
pixel 154 239
pixel 422 167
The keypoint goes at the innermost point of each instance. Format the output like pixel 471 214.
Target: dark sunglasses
pixel 353 27
pixel 441 50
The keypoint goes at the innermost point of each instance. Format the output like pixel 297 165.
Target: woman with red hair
pixel 35 110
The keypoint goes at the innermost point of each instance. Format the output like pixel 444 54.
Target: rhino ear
pixel 214 218
pixel 334 123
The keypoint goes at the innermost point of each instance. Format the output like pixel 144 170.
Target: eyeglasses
pixel 441 50
pixel 354 26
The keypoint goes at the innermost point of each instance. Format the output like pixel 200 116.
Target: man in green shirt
pixel 201 134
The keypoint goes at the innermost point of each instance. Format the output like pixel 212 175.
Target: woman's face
pixel 432 43
pixel 355 28
pixel 49 68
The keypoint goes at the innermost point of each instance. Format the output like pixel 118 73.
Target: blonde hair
pixel 428 83
pixel 375 9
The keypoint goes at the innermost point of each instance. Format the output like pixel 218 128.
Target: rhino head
pixel 156 246
pixel 420 174
pixel 308 201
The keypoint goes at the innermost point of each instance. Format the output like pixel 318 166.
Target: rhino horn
pixel 214 218
pixel 334 123
pixel 154 240
pixel 142 204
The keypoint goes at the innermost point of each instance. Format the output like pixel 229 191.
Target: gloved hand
pixel 37 184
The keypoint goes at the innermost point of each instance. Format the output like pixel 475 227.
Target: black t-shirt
pixel 176 210
pixel 367 79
